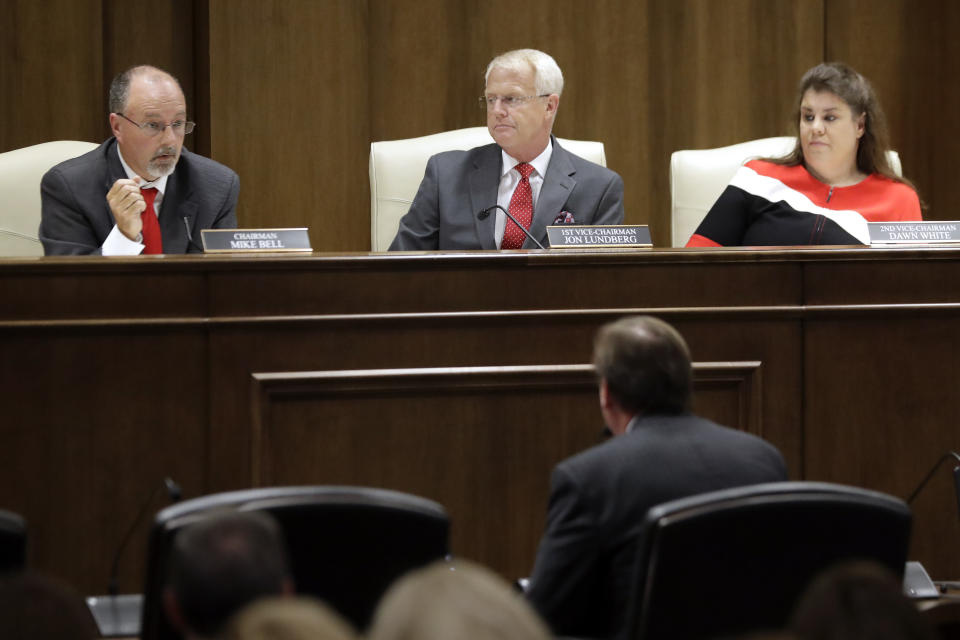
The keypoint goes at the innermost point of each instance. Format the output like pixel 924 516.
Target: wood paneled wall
pixel 290 93
pixel 911 53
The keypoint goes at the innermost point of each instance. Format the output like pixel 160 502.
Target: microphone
pixel 186 224
pixel 956 476
pixel 486 212
pixel 173 493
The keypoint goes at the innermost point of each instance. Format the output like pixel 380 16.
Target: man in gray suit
pixel 140 191
pixel 581 581
pixel 525 172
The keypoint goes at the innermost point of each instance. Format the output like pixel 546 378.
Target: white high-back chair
pixel 397 166
pixel 20 174
pixel 698 177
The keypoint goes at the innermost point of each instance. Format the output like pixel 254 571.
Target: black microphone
pixel 173 492
pixel 486 212
pixel 186 224
pixel 956 476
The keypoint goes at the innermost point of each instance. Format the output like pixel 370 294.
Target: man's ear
pixel 607 400
pixel 553 102
pixel 115 125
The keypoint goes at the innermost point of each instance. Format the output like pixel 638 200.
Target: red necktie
pixel 152 241
pixel 521 207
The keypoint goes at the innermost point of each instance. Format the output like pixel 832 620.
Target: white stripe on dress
pixel 773 190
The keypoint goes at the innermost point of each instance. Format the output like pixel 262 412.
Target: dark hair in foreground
pixel 856 91
pixel 858 601
pixel 223 562
pixel 646 364
pixel 36 607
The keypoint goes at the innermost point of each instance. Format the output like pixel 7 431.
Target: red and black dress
pixel 775 205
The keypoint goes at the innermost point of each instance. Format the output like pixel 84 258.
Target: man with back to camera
pixel 526 172
pixel 660 451
pixel 220 564
pixel 140 191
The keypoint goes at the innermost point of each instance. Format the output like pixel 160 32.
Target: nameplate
pixel 255 240
pixel 573 236
pixel 933 232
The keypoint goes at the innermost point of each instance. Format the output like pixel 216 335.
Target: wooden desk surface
pixel 462 377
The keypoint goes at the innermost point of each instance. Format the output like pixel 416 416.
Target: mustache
pixel 165 151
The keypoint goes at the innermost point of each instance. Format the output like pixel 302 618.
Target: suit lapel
pixel 114 172
pixel 556 189
pixel 484 184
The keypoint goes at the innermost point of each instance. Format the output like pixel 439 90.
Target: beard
pixel 160 168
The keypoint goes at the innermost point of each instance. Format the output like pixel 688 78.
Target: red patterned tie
pixel 521 207
pixel 151 226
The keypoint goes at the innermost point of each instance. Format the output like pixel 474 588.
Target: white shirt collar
pixel 160 183
pixel 540 163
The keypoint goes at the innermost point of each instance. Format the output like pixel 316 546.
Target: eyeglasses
pixel 152 129
pixel 489 102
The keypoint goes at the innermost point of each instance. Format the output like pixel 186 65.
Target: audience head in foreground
pixel 837 178
pixel 526 171
pixel 36 607
pixel 581 582
pixel 643 367
pixel 219 565
pixel 287 618
pixel 461 600
pixel 858 601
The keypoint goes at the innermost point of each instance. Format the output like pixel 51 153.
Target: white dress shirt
pixel 118 244
pixel 509 179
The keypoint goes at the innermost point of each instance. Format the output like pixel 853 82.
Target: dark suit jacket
pixel 459 184
pixel 581 581
pixel 76 219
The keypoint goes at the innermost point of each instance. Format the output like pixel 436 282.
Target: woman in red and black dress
pixel 835 180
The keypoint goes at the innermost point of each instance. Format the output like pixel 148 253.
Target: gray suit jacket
pixel 76 219
pixel 581 581
pixel 457 185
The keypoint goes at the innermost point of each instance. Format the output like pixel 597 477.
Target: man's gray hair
pixel 547 77
pixel 120 87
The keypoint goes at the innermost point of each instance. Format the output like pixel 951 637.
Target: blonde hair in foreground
pixel 287 618
pixel 459 600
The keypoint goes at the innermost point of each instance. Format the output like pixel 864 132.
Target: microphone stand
pixel 486 212
pixel 923 483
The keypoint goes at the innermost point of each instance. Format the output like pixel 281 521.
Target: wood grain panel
pixel 50 72
pixel 289 113
pixel 424 75
pixel 119 371
pixel 508 282
pixel 160 34
pixel 481 441
pixel 721 73
pixel 882 416
pixel 918 282
pixel 103 415
pixel 910 52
